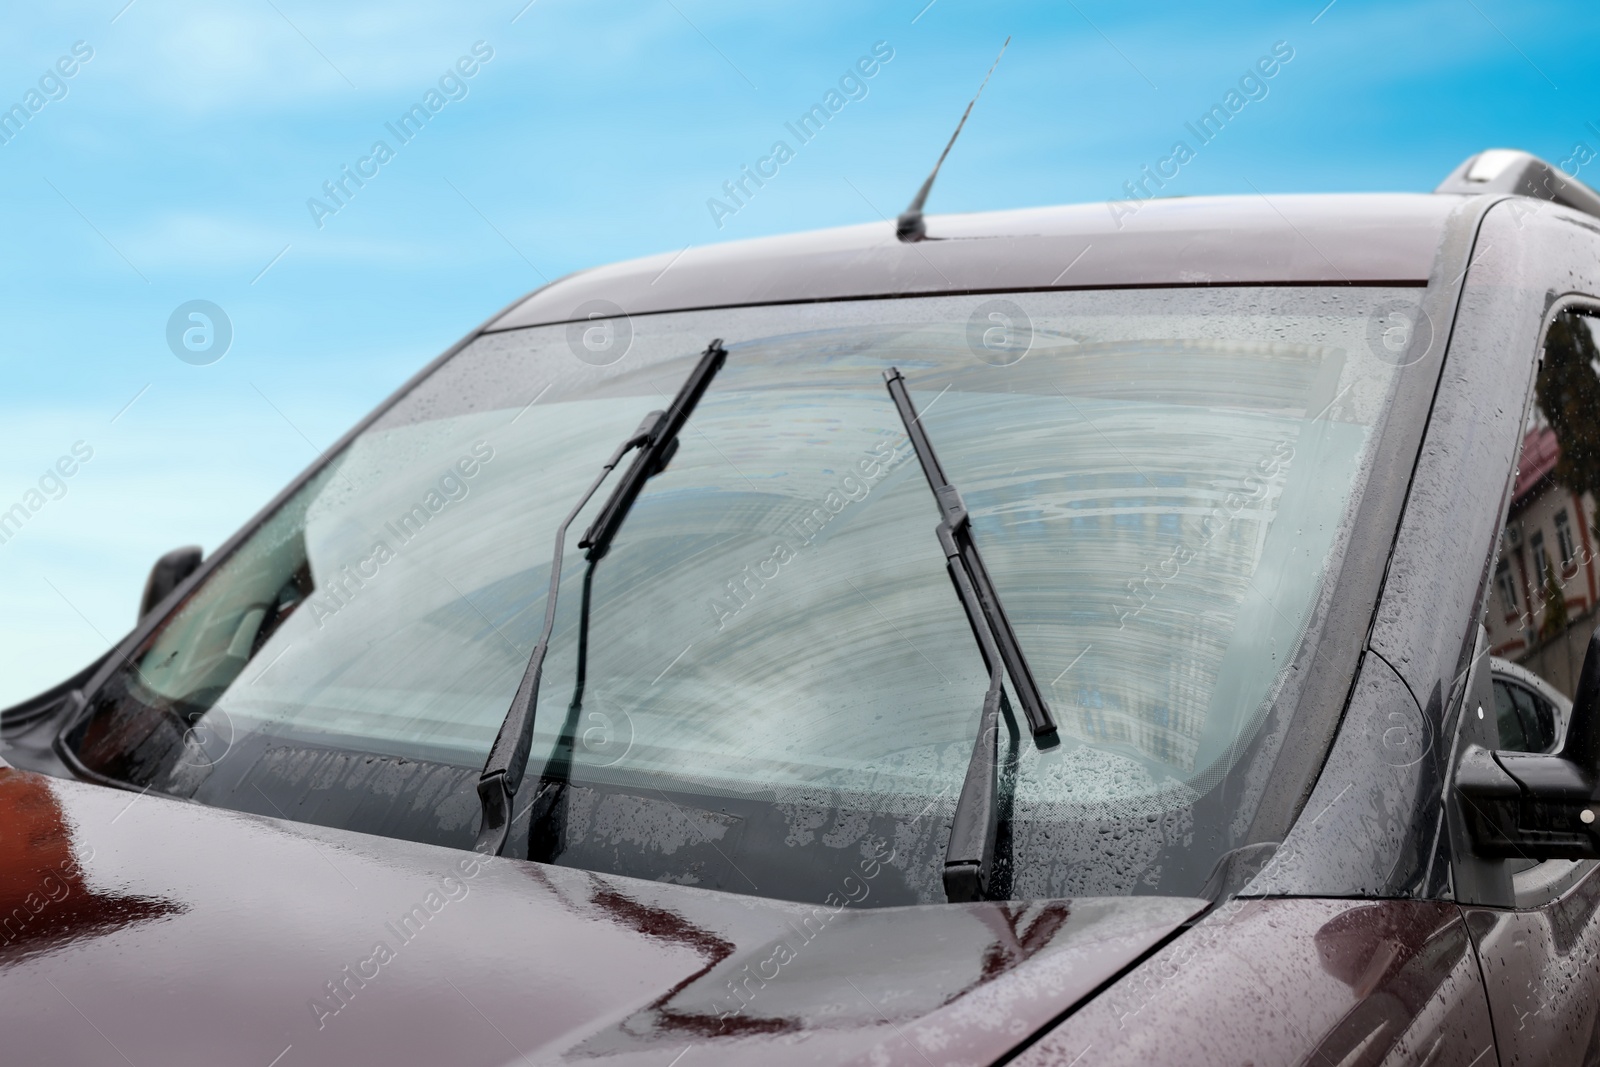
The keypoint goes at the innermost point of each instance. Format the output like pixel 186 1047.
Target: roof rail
pixel 1506 170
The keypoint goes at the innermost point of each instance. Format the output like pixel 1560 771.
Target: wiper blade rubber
pixel 657 441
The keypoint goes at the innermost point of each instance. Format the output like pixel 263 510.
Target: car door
pixel 1539 943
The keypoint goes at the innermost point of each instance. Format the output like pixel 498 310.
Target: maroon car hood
pixel 143 930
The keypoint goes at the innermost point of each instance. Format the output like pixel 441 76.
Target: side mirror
pixel 167 574
pixel 1526 805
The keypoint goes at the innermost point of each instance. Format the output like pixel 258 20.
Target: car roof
pixel 1320 239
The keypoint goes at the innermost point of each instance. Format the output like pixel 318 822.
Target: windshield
pixel 779 677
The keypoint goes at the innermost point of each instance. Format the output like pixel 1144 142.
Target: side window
pixel 1547 579
pixel 1541 714
pixel 1512 735
pixel 1527 721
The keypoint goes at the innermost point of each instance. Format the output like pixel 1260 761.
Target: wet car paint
pixel 1327 982
pixel 1542 970
pixel 1374 818
pixel 1328 239
pixel 182 934
pixel 45 902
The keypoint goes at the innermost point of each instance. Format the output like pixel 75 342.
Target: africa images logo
pixel 199 332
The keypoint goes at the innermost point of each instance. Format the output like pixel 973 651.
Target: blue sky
pixel 176 163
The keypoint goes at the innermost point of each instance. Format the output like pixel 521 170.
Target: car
pixel 1076 635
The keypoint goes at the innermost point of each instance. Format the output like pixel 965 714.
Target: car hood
pixel 140 929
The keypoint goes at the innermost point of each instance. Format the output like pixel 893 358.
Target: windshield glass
pixel 779 677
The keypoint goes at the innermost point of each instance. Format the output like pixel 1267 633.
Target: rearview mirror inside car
pixel 1526 805
pixel 167 574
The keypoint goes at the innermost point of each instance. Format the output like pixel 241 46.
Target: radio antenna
pixel 909 226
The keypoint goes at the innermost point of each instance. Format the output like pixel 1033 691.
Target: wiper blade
pixel 955 536
pixel 655 455
pixel 657 441
pixel 969 856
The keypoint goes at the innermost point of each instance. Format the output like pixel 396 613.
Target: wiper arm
pixel 657 441
pixel 969 856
